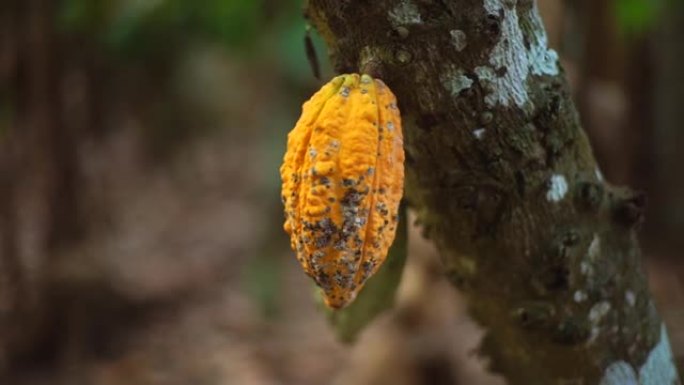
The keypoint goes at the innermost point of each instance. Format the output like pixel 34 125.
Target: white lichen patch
pixel 596 314
pixel 487 77
pixel 594 249
pixel 543 61
pixel 404 13
pixel 598 311
pixel 619 373
pixel 630 298
pixel 508 60
pixel 599 175
pixel 455 81
pixel 579 296
pixel 558 187
pixel 485 73
pixel 511 60
pixel 659 367
pixel 479 133
pixel 458 39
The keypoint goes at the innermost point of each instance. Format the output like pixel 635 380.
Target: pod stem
pixel 370 62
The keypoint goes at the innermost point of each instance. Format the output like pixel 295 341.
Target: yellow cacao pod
pixel 343 178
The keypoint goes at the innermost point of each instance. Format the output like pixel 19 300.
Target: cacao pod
pixel 343 177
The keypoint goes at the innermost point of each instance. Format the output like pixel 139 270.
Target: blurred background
pixel 141 232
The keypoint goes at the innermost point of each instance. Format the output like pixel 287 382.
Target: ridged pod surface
pixel 343 178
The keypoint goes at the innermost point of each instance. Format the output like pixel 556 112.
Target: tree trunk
pixel 504 182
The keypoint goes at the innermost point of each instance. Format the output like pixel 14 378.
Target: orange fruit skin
pixel 342 181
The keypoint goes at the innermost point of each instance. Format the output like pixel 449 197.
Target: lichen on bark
pixel 503 180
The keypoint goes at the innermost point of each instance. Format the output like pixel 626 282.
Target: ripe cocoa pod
pixel 343 178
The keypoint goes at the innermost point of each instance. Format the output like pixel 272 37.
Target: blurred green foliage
pixel 144 27
pixel 79 16
pixel 181 64
pixel 150 39
pixel 638 16
pixel 263 281
pixel 140 27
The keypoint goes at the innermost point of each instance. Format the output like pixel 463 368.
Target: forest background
pixel 141 232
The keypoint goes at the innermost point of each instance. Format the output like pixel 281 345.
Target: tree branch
pixel 504 182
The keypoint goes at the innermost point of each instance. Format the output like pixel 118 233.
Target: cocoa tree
pixel 504 181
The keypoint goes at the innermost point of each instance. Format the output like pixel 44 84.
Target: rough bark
pixel 504 182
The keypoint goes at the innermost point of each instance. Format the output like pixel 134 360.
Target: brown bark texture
pixel 503 180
